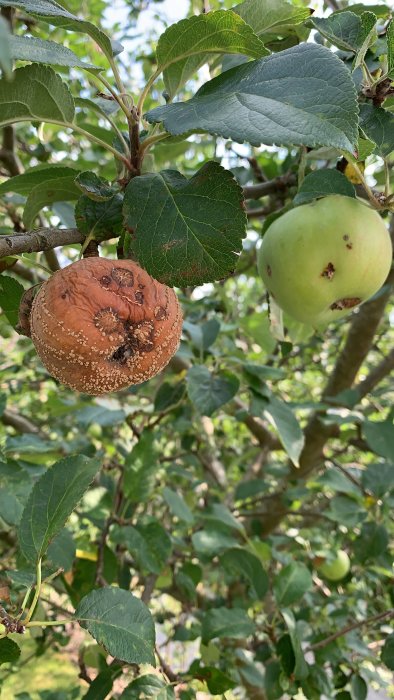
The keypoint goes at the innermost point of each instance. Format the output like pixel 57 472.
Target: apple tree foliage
pixel 167 541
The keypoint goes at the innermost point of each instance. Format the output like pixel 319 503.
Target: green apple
pixel 320 260
pixel 336 569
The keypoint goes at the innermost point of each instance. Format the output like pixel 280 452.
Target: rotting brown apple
pixel 321 259
pixel 100 325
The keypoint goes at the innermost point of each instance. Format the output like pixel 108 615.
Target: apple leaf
pixel 188 44
pixel 186 231
pixel 271 16
pixel 320 183
pixel 51 12
pixel 27 48
pixel 300 96
pixel 120 622
pixel 35 93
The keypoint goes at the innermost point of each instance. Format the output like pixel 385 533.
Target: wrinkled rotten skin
pixel 100 325
pixel 320 260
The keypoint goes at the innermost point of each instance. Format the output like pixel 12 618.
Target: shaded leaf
pixel 140 469
pixel 188 44
pixel 61 551
pixel 271 16
pixel 368 36
pixel 378 479
pixel 101 686
pixel 292 582
pixel 378 124
pixel 390 48
pixel 148 686
pixel 99 218
pixel 178 505
pixel 120 622
pixel 322 182
pixel 5 49
pixel 301 96
pixel 61 189
pixel 387 654
pixel 94 187
pixel 210 391
pixel 244 563
pixel 288 427
pixel 24 183
pixel 217 681
pixel 53 13
pixel 346 30
pixel 210 541
pixel 36 92
pixel 149 544
pixel 359 688
pixel 301 667
pixel 51 502
pixel 27 48
pixel 372 541
pixel 186 231
pixel 9 651
pixel 11 293
pixel 380 437
pixel 169 395
pixel 226 622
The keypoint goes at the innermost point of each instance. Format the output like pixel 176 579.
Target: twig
pixel 387 615
pixel 41 240
pixel 270 187
pixel 375 376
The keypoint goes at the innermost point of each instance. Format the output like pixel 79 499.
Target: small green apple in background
pixel 336 569
pixel 320 260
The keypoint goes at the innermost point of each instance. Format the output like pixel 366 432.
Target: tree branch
pixel 42 239
pixel 386 615
pixel 20 423
pixel 375 376
pixel 270 187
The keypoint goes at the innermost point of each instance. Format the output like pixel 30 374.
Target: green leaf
pixel 210 542
pixel 322 182
pixel 10 296
pixel 188 44
pixel 94 187
pixel 149 544
pixel 101 686
pixel 217 681
pixel 51 502
pixel 186 232
pixel 61 551
pixel 218 512
pixel 368 36
pixel 387 654
pixel 15 487
pixel 24 183
pixel 300 96
pixel 99 218
pixel 378 479
pixel 141 466
pixel 53 13
pixel 178 505
pixel 209 391
pixel 9 651
pixel 169 395
pixel 301 667
pixel 226 622
pixel 271 16
pixel 242 562
pixel 120 622
pixel 61 189
pixel 378 124
pixel 5 49
pixel 346 30
pixel 390 49
pixel 291 583
pixel 148 686
pixel 36 93
pixel 372 541
pixel 359 688
pixel 101 415
pixel 380 437
pixel 27 48
pixel 288 427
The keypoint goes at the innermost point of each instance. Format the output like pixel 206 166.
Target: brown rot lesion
pixel 160 313
pixel 123 277
pixel 107 320
pixel 346 303
pixel 328 271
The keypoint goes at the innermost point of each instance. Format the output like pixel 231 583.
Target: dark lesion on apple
pixel 328 271
pixel 346 303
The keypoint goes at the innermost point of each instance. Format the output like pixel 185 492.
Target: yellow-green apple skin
pixel 321 259
pixel 337 569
